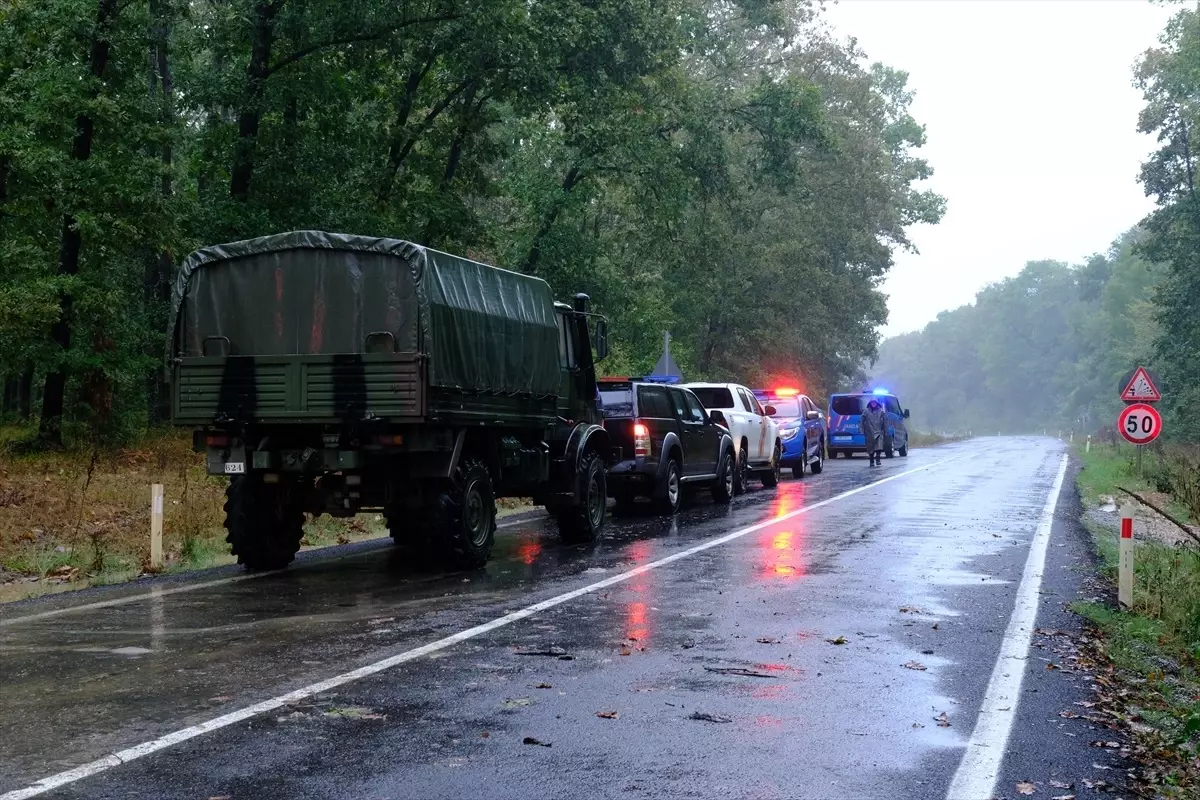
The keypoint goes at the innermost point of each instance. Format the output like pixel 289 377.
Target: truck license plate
pixel 235 468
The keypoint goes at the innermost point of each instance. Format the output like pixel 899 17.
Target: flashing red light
pixel 786 392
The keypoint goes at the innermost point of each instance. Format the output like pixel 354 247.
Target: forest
pixel 727 170
pixel 1045 350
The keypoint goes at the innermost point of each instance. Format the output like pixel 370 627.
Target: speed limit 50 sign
pixel 1140 423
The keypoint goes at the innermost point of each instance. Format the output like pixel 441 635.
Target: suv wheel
pixel 670 490
pixel 723 485
pixel 770 478
pixel 818 465
pixel 741 475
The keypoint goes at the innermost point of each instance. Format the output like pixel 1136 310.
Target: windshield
pixel 616 400
pixel 845 405
pixel 714 396
pixel 786 407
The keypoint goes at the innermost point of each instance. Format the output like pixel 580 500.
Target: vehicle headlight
pixel 788 433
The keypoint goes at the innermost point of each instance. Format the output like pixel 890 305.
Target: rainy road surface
pixel 757 650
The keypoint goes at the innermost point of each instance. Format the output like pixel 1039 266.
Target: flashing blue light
pixel 881 391
pixel 661 379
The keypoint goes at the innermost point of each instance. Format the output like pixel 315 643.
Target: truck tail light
pixel 217 440
pixel 641 440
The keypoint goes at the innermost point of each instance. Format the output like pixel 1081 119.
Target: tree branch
pixel 352 39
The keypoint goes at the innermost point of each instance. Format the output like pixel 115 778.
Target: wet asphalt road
pixel 922 568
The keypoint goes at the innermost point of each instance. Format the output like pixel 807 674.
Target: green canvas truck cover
pixel 483 329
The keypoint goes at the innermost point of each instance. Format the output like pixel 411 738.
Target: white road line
pixel 980 766
pixel 163 592
pixel 182 735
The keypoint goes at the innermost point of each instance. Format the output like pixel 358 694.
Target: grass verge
pixel 1153 648
pixel 76 518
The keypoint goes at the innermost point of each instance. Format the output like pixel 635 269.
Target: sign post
pixel 1139 423
pixel 156 525
pixel 1125 563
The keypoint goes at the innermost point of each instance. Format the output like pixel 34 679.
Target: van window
pixel 847 405
pixel 652 402
pixel 892 405
pixel 695 410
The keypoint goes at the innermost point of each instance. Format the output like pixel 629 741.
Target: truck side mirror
pixel 769 410
pixel 813 415
pixel 906 413
pixel 601 339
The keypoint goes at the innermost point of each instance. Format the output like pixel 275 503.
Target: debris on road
pixel 745 673
pixel 909 610
pixel 608 715
pixel 354 712
pixel 538 742
pixel 516 702
pixel 942 720
pixel 544 686
pixel 1025 787
pixel 768 640
pixel 1060 784
pixel 837 640
pixel 556 652
pixel 917 665
pixel 704 716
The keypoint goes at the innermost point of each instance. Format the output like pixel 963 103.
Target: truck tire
pixel 724 484
pixel 463 518
pixel 670 493
pixel 584 523
pixel 770 477
pixel 903 451
pixel 264 521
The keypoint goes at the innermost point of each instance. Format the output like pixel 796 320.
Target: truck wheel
pixel 264 521
pixel 741 475
pixel 818 465
pixel 584 522
pixel 724 485
pixel 464 518
pixel 903 450
pixel 770 478
pixel 670 493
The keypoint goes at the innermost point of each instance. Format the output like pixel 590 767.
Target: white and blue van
pixel 845 423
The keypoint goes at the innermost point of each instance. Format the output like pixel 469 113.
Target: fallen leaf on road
pixel 538 742
pixel 1060 785
pixel 917 665
pixel 1025 787
pixel 1085 703
pixel 937 626
pixel 942 720
pixel 1095 784
pixel 607 714
pixel 221 698
pixel 909 610
pixel 354 712
pixel 1100 766
pixel 485 734
pixel 706 717
pixel 543 686
pixel 745 673
pixel 917 725
pixel 516 702
pixel 221 797
pixel 688 644
pixel 1063 797
pixel 1068 715
pixel 625 651
pixel 1105 744
pixel 838 640
pixel 767 640
pixel 1052 665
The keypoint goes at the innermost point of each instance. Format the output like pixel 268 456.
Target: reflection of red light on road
pixel 789 501
pixel 635 621
pixel 639 551
pixel 773 692
pixel 782 541
pixel 763 721
pixel 528 551
pixel 782 553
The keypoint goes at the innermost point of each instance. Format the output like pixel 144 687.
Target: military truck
pixel 334 374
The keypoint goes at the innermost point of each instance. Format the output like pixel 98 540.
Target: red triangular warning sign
pixel 1141 389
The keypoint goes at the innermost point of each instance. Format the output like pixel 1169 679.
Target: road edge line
pixel 126 755
pixel 979 768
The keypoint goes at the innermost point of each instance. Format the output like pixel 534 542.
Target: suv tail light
pixel 641 440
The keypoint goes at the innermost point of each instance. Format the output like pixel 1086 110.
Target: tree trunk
pixel 12 384
pixel 158 272
pixel 257 72
pixel 25 393
pixel 403 145
pixel 570 181
pixel 53 397
pixel 472 107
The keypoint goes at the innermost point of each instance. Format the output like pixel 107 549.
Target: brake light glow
pixel 786 392
pixel 641 440
pixel 390 440
pixel 217 440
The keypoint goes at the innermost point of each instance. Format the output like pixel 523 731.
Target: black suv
pixel 664 440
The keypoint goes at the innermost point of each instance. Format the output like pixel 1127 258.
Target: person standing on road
pixel 873 422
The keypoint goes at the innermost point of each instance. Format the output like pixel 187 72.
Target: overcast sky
pixel 1032 124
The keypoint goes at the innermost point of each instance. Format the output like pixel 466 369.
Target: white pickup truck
pixel 755 435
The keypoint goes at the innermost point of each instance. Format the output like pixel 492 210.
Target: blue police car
pixel 845 423
pixel 802 430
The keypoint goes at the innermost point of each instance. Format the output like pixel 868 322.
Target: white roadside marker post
pixel 1072 438
pixel 156 525
pixel 1125 564
pixel 1087 448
